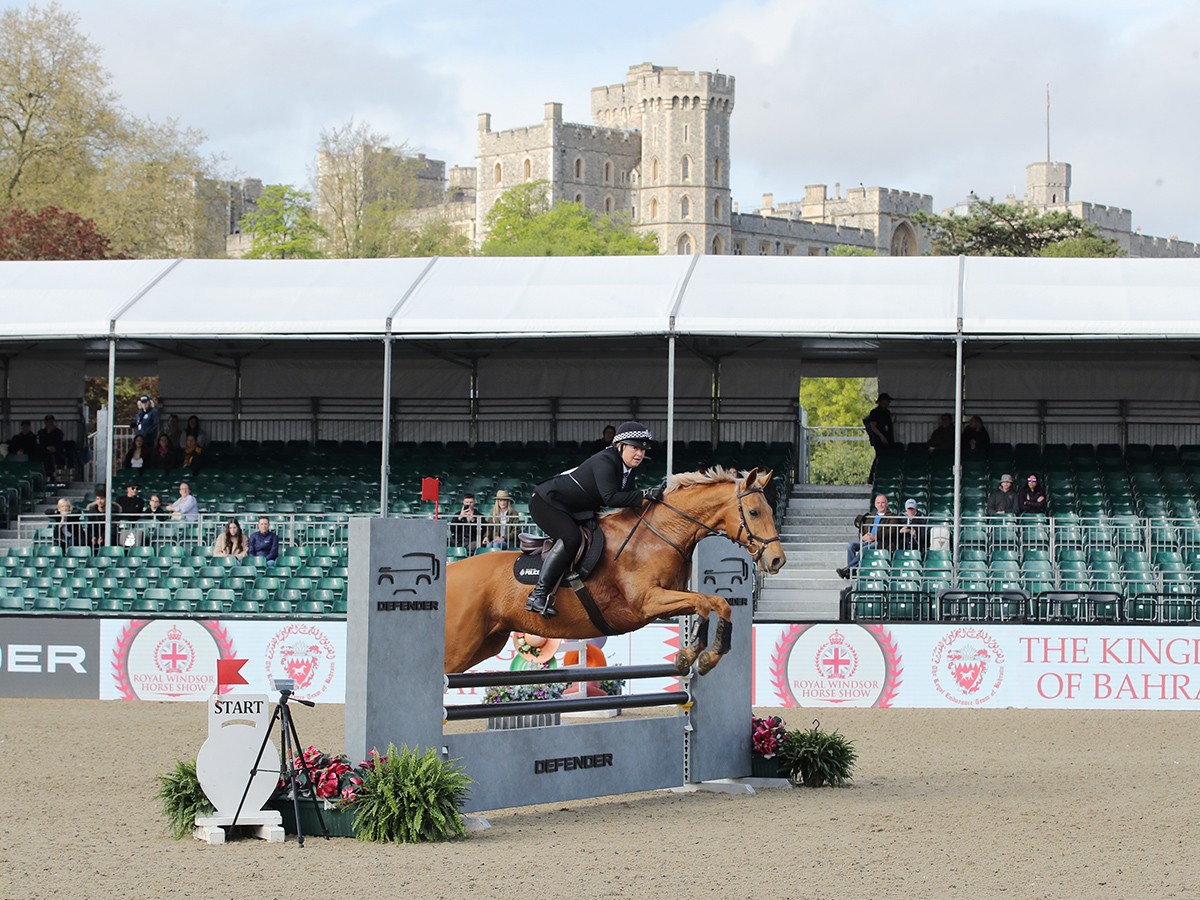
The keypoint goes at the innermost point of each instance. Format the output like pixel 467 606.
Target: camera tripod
pixel 289 752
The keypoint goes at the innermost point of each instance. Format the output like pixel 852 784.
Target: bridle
pixel 751 541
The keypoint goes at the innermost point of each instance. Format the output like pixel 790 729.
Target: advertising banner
pixel 43 656
pixel 977 666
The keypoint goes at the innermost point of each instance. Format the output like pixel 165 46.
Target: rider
pixel 560 504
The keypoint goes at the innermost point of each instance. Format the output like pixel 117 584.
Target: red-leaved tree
pixel 51 233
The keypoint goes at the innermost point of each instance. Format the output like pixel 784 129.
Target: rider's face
pixel 632 456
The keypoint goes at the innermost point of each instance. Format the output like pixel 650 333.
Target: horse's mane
pixel 715 475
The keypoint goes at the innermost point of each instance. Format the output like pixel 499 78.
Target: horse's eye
pixel 754 513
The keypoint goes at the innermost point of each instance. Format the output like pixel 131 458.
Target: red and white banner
pixel 949 666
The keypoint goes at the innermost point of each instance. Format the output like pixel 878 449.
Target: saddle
pixel 528 565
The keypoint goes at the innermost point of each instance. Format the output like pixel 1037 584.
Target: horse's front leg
pixel 662 603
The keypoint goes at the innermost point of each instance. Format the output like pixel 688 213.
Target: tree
pixel 283 226
pixel 851 250
pixel 838 403
pixel 1001 229
pixel 51 233
pixel 364 188
pixel 434 237
pixel 523 222
pixel 57 113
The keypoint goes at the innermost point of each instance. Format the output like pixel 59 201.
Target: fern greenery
pixel 816 758
pixel 182 799
pixel 409 797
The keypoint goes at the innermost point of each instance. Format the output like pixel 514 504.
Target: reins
pixel 751 537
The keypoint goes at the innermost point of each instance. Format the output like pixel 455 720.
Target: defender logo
pixel 571 763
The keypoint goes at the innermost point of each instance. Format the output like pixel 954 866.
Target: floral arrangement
pixel 767 735
pixel 524 647
pixel 509 694
pixel 334 778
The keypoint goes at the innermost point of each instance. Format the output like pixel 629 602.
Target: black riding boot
pixel 554 566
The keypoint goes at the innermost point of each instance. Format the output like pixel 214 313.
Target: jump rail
pixel 559 676
pixel 534 707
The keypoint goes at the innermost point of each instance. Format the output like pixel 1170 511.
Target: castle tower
pixel 1047 184
pixel 682 188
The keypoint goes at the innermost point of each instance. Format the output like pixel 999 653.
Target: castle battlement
pixel 600 134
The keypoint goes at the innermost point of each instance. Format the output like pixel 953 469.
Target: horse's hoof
pixel 683 661
pixel 708 660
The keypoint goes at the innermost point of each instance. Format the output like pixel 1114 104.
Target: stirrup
pixel 544 607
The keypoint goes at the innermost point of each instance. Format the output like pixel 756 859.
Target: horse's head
pixel 755 527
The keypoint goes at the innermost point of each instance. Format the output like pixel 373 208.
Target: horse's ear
pixel 765 478
pixel 750 478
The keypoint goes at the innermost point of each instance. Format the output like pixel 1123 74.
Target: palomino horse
pixel 484 602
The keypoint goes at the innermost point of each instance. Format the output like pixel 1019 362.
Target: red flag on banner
pixel 229 671
pixel 429 491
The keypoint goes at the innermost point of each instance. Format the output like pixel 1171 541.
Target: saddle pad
pixel 528 566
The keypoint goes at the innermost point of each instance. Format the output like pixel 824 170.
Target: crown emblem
pixel 175 634
pixel 837 637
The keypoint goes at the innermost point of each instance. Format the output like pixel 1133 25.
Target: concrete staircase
pixel 816 528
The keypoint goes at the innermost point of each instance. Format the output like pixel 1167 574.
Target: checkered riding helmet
pixel 634 433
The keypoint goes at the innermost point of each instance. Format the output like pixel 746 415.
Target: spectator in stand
pixel 1032 497
pixel 942 437
pixel 193 429
pixel 145 420
pixel 606 439
pixel 136 456
pixel 94 526
pixel 264 542
pixel 154 507
pixel 912 534
pixel 164 456
pixel 878 528
pixel 185 506
pixel 98 501
pixel 975 436
pixel 24 442
pixel 192 454
pixel 878 423
pixel 1003 500
pixel 131 506
pixel 67 529
pixel 504 522
pixel 231 541
pixel 51 449
pixel 173 431
pixel 466 529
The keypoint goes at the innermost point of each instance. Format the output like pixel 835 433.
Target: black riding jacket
pixel 592 485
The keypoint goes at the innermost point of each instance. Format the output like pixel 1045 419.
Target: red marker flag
pixel 229 671
pixel 429 491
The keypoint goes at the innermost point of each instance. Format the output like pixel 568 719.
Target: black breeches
pixel 556 523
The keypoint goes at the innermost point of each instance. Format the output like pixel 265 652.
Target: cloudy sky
pixel 943 97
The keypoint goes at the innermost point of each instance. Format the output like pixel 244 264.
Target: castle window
pixel 717 170
pixel 608 205
pixel 685 208
pixel 718 246
pixel 578 169
pixel 684 246
pixel 579 199
pixel 717 208
pixel 499 175
pixel 764 249
pixel 654 170
pixel 685 169
pixel 685 132
pixel 653 209
pixel 528 170
pixel 739 248
pixel 607 172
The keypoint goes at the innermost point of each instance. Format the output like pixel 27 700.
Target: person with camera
pixel 466 529
pixel 560 505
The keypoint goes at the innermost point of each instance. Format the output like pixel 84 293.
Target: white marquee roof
pixel 614 296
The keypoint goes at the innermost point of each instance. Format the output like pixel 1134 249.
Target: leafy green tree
pixel 283 226
pixel 838 402
pixel 1002 229
pixel 57 112
pixel 435 237
pixel 849 250
pixel 523 222
pixel 1083 245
